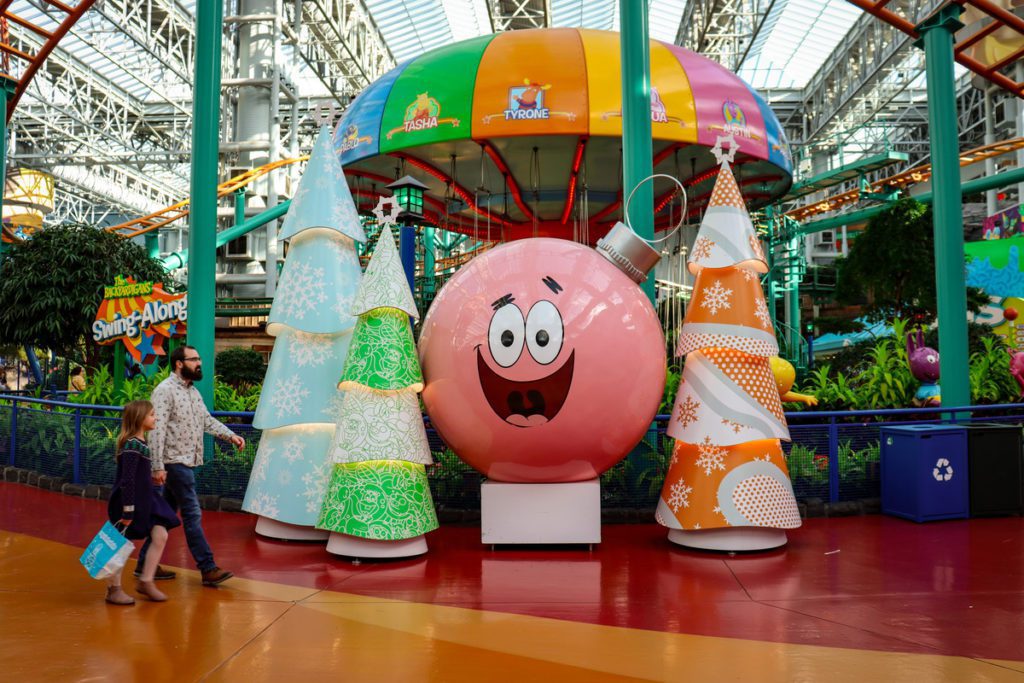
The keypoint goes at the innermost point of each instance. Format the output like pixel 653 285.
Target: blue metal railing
pixel 833 455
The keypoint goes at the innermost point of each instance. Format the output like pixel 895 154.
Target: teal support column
pixel 153 244
pixel 937 39
pixel 8 85
pixel 202 234
pixel 793 292
pixel 239 206
pixel 771 275
pixel 429 262
pixel 637 154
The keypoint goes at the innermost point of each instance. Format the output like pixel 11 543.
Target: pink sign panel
pixel 724 104
pixel 1001 225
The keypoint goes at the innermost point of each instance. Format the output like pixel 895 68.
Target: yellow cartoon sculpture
pixel 785 375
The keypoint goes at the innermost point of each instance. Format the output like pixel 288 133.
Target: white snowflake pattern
pixel 302 289
pixel 323 180
pixel 333 408
pixel 259 471
pixel 711 457
pixel 765 458
pixel 718 511
pixel 748 275
pixel 293 450
pixel 316 484
pixel 264 504
pixel 343 215
pixel 311 349
pixel 716 297
pixel 300 194
pixel 696 526
pixel 284 477
pixel 761 313
pixel 343 304
pixel 679 495
pixel 287 396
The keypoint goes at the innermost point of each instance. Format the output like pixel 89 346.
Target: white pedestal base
pixel 540 513
pixel 271 528
pixel 730 539
pixel 354 546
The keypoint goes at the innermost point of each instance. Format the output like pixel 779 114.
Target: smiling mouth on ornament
pixel 526 404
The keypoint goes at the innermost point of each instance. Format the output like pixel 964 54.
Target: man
pixel 176 447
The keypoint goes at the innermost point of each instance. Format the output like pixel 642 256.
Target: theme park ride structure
pixel 527 142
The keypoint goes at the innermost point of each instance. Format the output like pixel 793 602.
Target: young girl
pixel 136 504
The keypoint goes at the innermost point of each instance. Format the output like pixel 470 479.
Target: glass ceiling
pixel 797 36
pixel 796 39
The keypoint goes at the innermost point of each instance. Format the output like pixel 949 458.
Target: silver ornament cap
pixel 629 253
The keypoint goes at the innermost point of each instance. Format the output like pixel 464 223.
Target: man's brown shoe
pixel 160 575
pixel 215 576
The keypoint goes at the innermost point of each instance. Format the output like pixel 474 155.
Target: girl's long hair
pixel 131 422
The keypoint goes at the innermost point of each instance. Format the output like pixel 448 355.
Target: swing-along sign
pixel 141 314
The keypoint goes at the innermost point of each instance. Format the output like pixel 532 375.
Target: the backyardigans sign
pixel 141 314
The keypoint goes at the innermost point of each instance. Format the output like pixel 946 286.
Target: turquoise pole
pixel 793 293
pixel 937 39
pixel 428 262
pixel 239 206
pixel 153 244
pixel 637 153
pixel 202 234
pixel 179 259
pixel 8 85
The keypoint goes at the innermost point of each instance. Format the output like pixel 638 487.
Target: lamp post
pixel 408 192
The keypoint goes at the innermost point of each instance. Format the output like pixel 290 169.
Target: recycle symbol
pixel 942 471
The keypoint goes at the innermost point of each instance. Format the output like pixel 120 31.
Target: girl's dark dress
pixel 134 486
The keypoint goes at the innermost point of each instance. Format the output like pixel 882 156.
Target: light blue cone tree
pixel 313 322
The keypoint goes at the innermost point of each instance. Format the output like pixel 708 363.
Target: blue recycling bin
pixel 924 472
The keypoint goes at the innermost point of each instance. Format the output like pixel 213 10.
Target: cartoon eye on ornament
pixel 544 332
pixel 506 335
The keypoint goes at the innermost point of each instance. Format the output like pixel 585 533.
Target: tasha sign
pixel 141 314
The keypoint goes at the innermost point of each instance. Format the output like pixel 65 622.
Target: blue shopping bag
pixel 107 553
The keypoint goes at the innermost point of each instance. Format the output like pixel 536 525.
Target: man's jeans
pixel 180 492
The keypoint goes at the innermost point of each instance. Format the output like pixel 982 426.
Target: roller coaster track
pixel 27 64
pixel 30 63
pixel 904 179
pixel 998 18
pixel 175 212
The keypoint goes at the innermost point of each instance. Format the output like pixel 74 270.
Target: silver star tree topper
pixel 721 155
pixel 392 208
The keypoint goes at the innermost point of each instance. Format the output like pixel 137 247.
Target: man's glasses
pixel 194 358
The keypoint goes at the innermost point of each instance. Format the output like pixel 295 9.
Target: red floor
pixel 878 583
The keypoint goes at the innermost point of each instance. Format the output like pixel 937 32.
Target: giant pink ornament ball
pixel 543 362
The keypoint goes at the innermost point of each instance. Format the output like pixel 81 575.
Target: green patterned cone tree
pixel 378 501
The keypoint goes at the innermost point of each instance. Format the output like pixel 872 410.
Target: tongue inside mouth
pixel 526 411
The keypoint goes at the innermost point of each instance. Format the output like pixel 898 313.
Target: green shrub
pixel 240 367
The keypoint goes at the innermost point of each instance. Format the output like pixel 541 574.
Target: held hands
pixel 238 441
pixel 160 478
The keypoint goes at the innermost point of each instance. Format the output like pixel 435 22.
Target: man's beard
pixel 190 374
